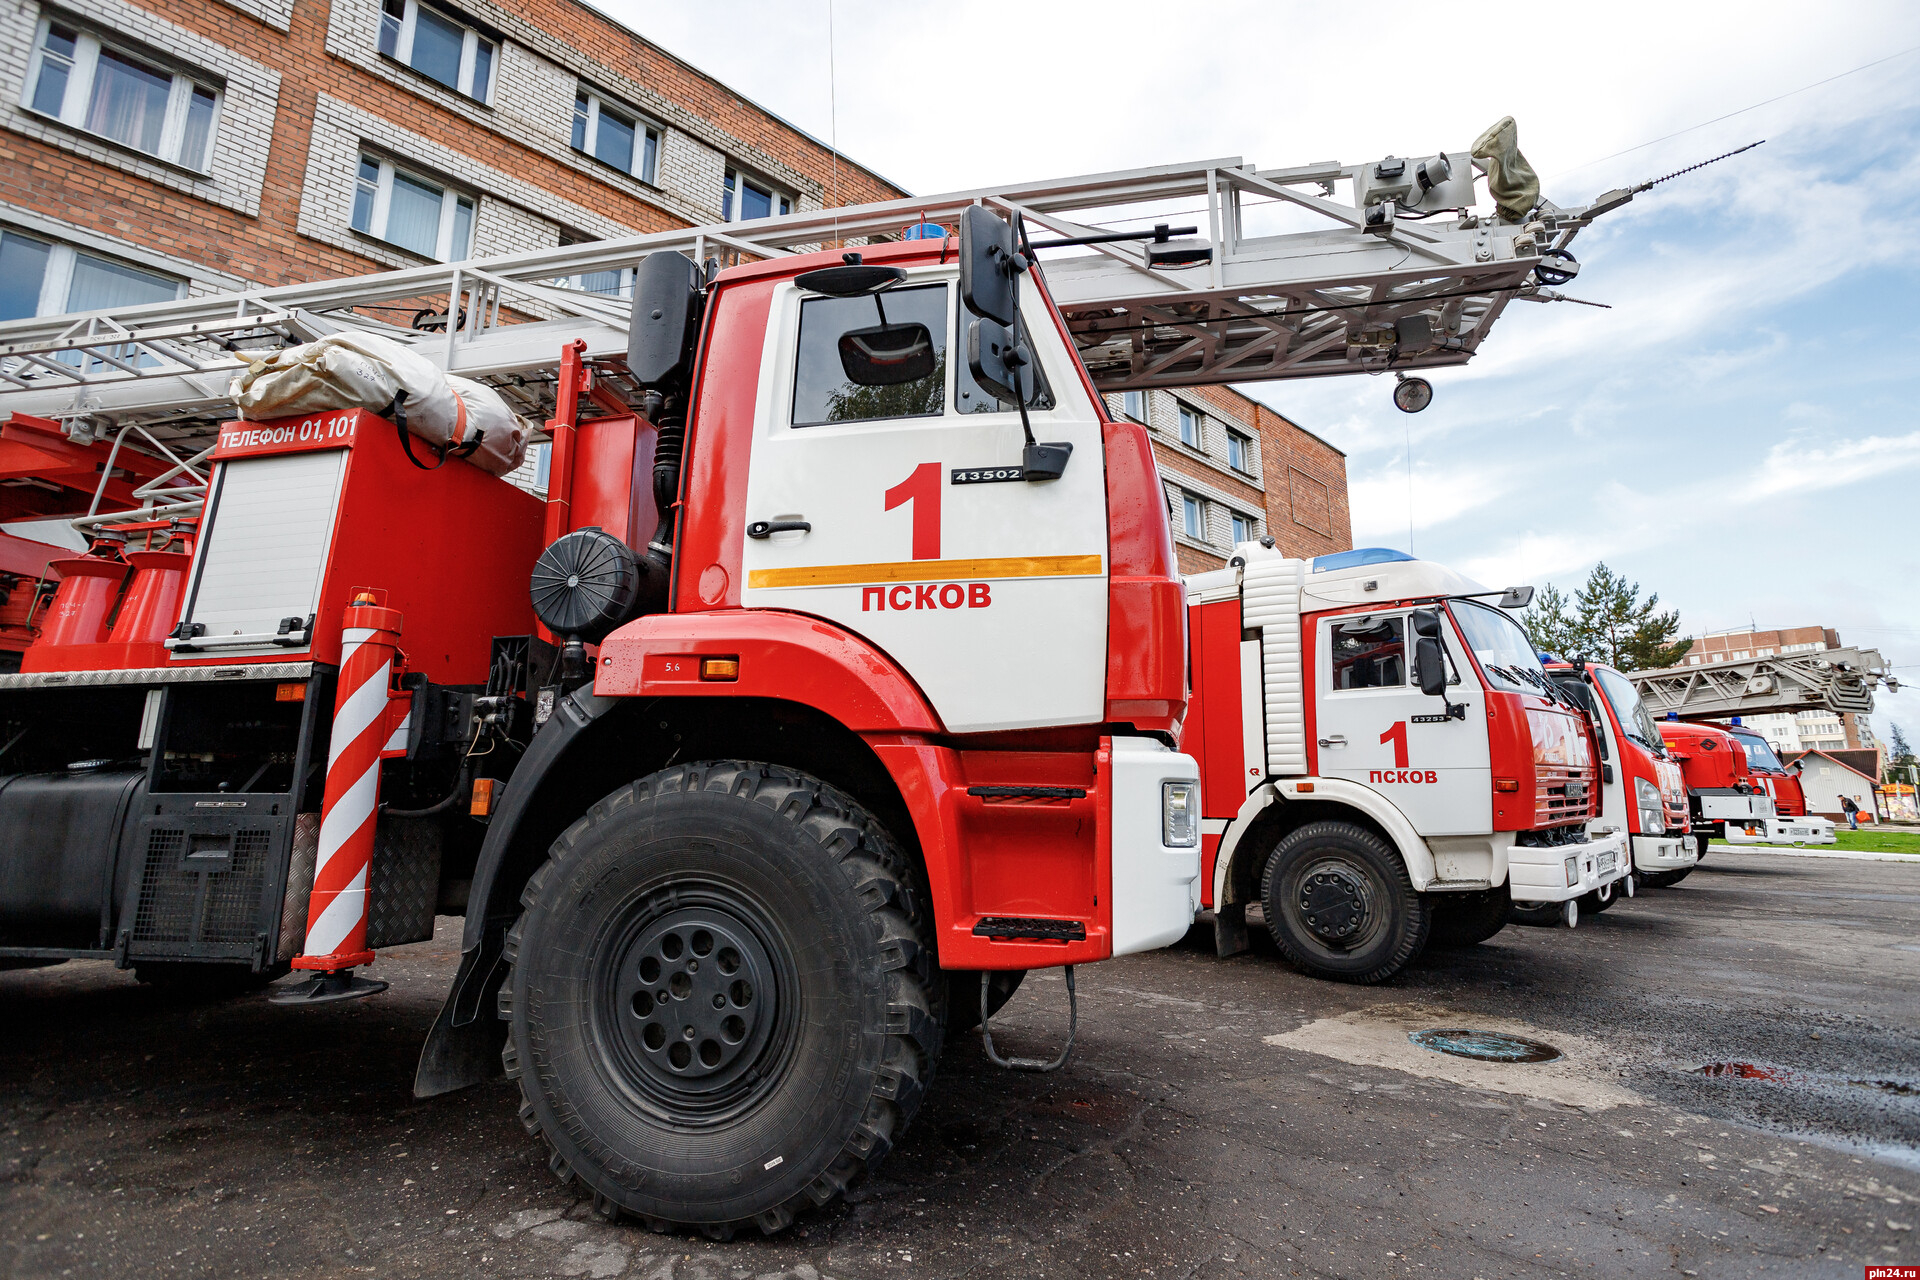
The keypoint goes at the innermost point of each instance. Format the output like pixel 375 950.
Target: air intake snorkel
pixel 669 291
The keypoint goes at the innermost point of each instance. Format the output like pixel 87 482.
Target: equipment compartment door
pixel 1368 725
pixel 989 590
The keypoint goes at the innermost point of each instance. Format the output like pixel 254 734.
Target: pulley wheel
pixel 585 584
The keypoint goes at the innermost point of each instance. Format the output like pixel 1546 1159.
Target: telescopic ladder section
pixel 1337 297
pixel 1837 680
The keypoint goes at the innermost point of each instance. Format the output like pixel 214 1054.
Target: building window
pixel 1193 517
pixel 1133 404
pixel 412 212
pixel 122 95
pixel 438 47
pixel 1189 427
pixel 748 198
pixel 44 278
pixel 612 282
pixel 1239 452
pixel 1244 529
pixel 615 137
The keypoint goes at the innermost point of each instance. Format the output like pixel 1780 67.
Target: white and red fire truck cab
pixel 1641 788
pixel 1361 810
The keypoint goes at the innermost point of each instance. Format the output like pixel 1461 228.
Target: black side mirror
pixel 1430 666
pixel 1426 622
pixel 989 267
pixel 887 355
pixel 668 292
pixel 1000 361
pixel 1517 598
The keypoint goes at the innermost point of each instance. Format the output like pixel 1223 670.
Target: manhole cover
pixel 1488 1046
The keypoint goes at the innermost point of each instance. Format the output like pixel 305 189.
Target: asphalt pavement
pixel 1219 1118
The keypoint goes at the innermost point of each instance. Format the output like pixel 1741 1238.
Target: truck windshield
pixel 1635 720
pixel 1504 651
pixel 1759 752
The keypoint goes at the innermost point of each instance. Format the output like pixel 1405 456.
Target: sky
pixel 1737 433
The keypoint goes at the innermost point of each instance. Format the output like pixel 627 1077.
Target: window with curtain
pixel 121 92
pixel 413 212
pixel 439 46
pixel 1189 427
pixel 1245 529
pixel 745 198
pixel 615 136
pixel 42 277
pixel 1134 405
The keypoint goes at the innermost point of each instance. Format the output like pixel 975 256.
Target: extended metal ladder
pixel 1340 296
pixel 1837 680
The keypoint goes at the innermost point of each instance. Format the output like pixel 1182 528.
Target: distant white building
pixel 1820 730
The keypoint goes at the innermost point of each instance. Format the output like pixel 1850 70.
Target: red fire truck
pixel 1738 789
pixel 884 707
pixel 1642 790
pixel 1383 761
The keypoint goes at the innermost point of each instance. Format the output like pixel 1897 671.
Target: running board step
pixel 1028 928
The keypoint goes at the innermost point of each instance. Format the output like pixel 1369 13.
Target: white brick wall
pixel 275 13
pixel 1217 511
pixel 245 128
pixel 505 221
pixel 536 80
pixel 1163 417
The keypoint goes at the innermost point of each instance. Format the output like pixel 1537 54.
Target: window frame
pixel 649 137
pixel 1246 451
pixel 1127 413
pixel 734 184
pixel 1235 521
pixel 1199 420
pixel 1192 504
pixel 405 27
pixel 380 206
pixel 83 72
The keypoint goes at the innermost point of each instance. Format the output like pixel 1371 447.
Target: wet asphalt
pixel 1219 1118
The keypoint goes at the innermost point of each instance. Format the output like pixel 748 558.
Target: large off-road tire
pixel 963 996
pixel 1339 904
pixel 723 1006
pixel 1664 879
pixel 1467 919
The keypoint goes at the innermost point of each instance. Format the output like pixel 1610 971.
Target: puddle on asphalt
pixel 1583 1074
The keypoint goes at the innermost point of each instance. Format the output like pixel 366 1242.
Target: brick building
pixel 1236 470
pixel 170 148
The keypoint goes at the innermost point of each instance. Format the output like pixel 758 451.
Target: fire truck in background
pixel 1642 790
pixel 1383 761
pixel 1738 789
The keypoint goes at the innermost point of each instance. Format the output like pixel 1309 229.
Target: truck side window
pixel 1370 653
pixel 852 351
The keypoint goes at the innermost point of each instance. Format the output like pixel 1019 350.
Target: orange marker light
pixel 1506 784
pixel 482 798
pixel 719 668
pixel 1303 788
pixel 293 691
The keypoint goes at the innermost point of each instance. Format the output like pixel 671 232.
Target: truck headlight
pixel 1652 817
pixel 1179 814
pixel 1573 871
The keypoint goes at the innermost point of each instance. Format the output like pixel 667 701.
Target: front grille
pixel 199 892
pixel 1552 837
pixel 1562 794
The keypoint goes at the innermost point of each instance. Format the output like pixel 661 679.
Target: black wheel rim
pixel 694 1003
pixel 1336 903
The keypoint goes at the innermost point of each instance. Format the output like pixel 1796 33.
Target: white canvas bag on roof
pixel 365 371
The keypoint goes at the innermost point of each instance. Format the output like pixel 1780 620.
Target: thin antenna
pixel 833 123
pixel 1408 424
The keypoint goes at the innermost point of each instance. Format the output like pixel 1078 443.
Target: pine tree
pixel 1551 625
pixel 1900 758
pixel 1621 629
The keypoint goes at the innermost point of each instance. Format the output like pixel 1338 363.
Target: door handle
pixel 767 528
pixel 1335 740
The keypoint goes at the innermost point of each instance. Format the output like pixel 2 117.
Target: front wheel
pixel 1663 879
pixel 1339 904
pixel 1600 899
pixel 723 1005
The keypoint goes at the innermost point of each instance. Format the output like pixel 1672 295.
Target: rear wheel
pixel 1339 904
pixel 1466 919
pixel 723 1006
pixel 1663 879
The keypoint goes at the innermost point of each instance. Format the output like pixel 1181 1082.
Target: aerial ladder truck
pixel 835 680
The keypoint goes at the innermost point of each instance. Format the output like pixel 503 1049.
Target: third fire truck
pixel 1383 761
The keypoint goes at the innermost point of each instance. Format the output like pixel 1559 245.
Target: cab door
pixel 1374 726
pixel 897 511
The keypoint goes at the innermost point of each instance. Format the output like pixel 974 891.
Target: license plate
pixel 1607 860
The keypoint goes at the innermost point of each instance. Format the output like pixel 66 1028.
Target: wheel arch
pixel 1271 813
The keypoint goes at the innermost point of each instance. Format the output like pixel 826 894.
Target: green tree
pixel 1623 630
pixel 1550 623
pixel 1900 756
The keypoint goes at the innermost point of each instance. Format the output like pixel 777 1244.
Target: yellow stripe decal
pixel 843 575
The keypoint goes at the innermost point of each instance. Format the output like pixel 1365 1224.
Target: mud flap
pixel 464 1046
pixel 1230 930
